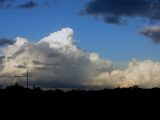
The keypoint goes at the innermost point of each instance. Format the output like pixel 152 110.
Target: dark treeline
pixel 118 92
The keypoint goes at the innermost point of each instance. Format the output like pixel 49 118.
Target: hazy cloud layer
pixel 116 11
pixel 56 61
pixel 152 32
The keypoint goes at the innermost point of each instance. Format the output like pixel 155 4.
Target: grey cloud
pixel 20 66
pixel 152 32
pixel 19 52
pixel 116 11
pixel 37 62
pixel 1 58
pixel 53 55
pixel 1 61
pixel 4 41
pixel 28 5
pixel 48 65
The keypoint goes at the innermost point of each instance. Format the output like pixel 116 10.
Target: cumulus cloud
pixel 116 11
pixel 53 61
pixel 56 61
pixel 4 41
pixel 152 32
pixel 145 74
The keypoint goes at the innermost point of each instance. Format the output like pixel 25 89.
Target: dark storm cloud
pixel 4 41
pixel 116 11
pixel 28 5
pixel 153 32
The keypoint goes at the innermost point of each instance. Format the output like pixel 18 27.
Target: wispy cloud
pixel 25 5
pixel 28 5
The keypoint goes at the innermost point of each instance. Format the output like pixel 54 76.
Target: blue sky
pixel 115 42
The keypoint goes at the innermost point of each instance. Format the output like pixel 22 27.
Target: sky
pixel 112 41
pixel 119 31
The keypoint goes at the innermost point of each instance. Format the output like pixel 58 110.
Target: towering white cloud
pixel 63 37
pixel 53 61
pixel 56 61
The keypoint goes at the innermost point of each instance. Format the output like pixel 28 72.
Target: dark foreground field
pixel 108 99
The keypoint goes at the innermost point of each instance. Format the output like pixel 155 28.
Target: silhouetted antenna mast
pixel 27 76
